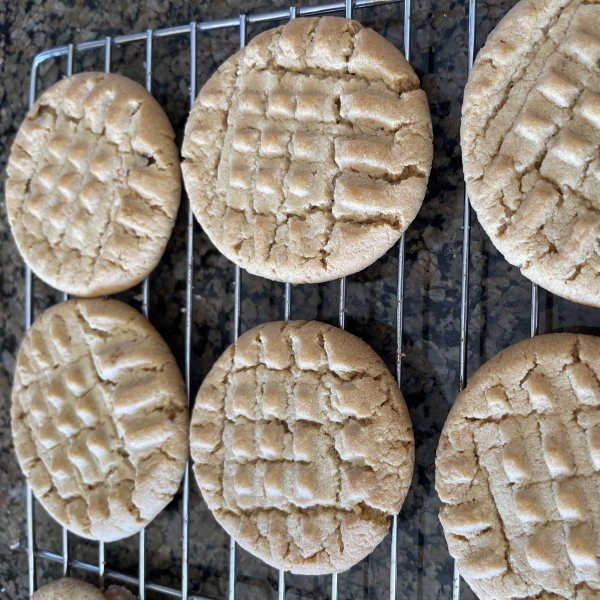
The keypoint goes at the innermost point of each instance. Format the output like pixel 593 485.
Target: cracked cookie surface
pixel 530 137
pixel 93 184
pixel 75 589
pixel 307 153
pixel 518 472
pixel 68 589
pixel 99 417
pixel 302 446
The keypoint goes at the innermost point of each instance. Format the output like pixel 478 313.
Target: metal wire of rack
pixel 192 30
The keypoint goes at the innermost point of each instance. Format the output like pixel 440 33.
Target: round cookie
pixel 530 136
pixel 93 184
pixel 518 472
pixel 99 417
pixel 302 446
pixel 68 589
pixel 307 153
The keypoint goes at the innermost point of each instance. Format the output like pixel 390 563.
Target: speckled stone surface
pixel 499 295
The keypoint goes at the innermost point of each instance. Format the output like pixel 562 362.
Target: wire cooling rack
pixel 191 31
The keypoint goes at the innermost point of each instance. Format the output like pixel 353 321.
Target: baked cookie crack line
pixel 555 48
pixel 100 139
pixel 111 261
pixel 329 127
pixel 157 369
pixel 74 206
pixel 213 195
pixel 320 75
pixel 323 75
pixel 66 443
pixel 40 370
pixel 299 510
pixel 515 79
pixel 55 193
pixel 295 372
pixel 591 204
pixel 561 187
pixel 105 335
pixel 155 206
pixel 501 528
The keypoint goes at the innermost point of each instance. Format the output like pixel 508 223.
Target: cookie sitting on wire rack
pixel 93 184
pixel 518 472
pixel 530 138
pixel 302 446
pixel 307 154
pixel 99 417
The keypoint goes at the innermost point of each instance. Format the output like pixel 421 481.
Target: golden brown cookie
pixel 530 138
pixel 517 470
pixel 93 184
pixel 68 589
pixel 74 589
pixel 307 153
pixel 99 417
pixel 302 446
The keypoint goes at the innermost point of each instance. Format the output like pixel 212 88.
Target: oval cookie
pixel 307 153
pixel 93 184
pixel 302 446
pixel 99 417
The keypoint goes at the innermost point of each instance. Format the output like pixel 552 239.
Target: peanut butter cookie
pixel 518 472
pixel 99 417
pixel 302 446
pixel 93 184
pixel 307 153
pixel 530 137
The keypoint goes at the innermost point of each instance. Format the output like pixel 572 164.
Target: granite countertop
pixel 499 295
